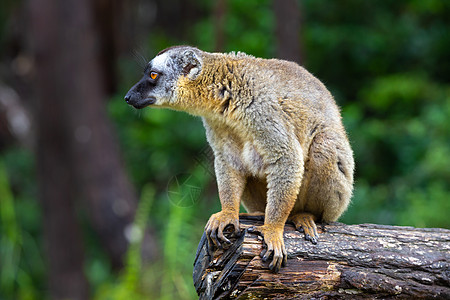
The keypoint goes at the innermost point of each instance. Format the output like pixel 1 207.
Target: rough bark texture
pixel 364 261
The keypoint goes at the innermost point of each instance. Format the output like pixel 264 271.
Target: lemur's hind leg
pixel 306 221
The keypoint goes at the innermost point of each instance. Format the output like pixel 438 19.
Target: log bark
pixel 350 262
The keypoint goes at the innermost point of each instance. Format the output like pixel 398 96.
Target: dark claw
pixel 263 252
pixel 252 229
pixel 255 230
pixel 221 237
pixel 210 246
pixel 210 250
pixel 275 266
pixel 237 231
pixel 267 255
pixel 284 263
pixel 215 240
pixel 209 242
pixel 311 239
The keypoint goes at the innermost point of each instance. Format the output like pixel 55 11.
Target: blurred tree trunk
pixel 287 18
pixel 76 148
pixel 117 31
pixel 57 188
pixel 219 21
pixel 15 121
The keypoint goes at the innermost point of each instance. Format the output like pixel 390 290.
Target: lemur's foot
pixel 215 226
pixel 306 221
pixel 274 244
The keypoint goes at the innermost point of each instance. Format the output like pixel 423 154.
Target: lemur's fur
pixel 279 144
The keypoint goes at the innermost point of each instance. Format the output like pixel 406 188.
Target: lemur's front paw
pixel 274 244
pixel 215 226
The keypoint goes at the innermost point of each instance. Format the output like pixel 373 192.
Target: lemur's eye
pixel 153 75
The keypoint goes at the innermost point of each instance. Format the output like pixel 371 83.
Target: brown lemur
pixel 279 145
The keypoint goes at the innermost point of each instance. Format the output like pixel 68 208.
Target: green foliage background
pixel 386 62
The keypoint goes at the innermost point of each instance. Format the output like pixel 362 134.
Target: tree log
pixel 350 262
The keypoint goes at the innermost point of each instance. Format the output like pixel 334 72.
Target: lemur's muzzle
pixel 135 99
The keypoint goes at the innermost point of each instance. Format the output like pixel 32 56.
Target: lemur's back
pixel 307 104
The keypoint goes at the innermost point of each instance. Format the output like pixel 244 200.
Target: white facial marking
pixel 159 62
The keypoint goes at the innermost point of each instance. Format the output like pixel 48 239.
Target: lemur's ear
pixel 192 65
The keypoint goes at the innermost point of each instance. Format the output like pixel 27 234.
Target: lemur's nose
pixel 130 96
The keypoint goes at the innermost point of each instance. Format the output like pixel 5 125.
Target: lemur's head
pixel 157 86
